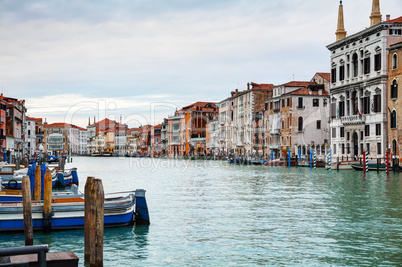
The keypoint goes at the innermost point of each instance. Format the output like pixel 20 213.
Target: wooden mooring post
pixel 47 201
pixel 38 181
pixel 27 210
pixel 94 219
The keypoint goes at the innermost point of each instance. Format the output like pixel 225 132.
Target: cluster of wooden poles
pixel 94 213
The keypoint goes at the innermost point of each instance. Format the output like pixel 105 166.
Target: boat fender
pixel 14 184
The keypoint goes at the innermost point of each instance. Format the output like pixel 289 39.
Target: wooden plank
pixel 56 259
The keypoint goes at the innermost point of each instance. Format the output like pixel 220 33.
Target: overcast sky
pixel 139 60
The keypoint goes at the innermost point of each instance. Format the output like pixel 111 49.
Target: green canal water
pixel 207 213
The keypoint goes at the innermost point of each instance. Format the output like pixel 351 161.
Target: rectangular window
pixel 333 75
pixel 270 105
pixel 366 65
pixel 288 102
pixel 318 125
pixel 378 129
pixel 29 132
pixel 325 102
pixel 316 102
pixel 348 136
pixel 343 148
pixel 377 62
pixel 333 110
pixel 334 149
pixel 377 103
pixel 300 102
pixel 342 131
pixel 366 105
pixel 342 73
pixel 341 108
pixel 367 130
pixel 283 103
pixel 368 148
pixel 348 71
pixel 333 132
pixel 378 148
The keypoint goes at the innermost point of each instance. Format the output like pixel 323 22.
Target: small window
pixel 333 132
pixel 300 103
pixel 325 102
pixel 378 148
pixel 300 124
pixel 377 103
pixel 318 125
pixel 283 103
pixel 288 102
pixel 368 148
pixel 348 136
pixel 343 148
pixel 367 130
pixel 342 131
pixel 316 102
pixel 333 75
pixel 378 129
pixel 342 72
pixel 366 65
pixel 377 62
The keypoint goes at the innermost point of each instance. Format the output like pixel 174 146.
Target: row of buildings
pixel 353 109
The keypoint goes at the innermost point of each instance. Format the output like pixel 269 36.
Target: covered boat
pixel 68 212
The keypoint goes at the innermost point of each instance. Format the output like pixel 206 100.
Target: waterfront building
pixel 187 129
pixel 358 87
pixel 164 137
pixel 297 119
pixel 82 141
pixel 15 117
pixel 63 138
pixel 243 105
pixel 225 127
pixel 395 99
pixel 133 140
pixel 102 135
pixel 30 136
pixel 146 140
pixel 2 126
pixel 156 146
pixel 258 136
pixel 212 137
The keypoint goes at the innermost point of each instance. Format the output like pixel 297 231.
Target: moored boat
pixel 68 212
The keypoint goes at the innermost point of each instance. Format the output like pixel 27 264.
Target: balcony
pixel 354 119
pixel 275 131
pixel 274 146
pixel 239 143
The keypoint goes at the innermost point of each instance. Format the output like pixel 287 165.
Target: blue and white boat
pixel 68 212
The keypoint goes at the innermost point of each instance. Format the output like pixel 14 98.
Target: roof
pixel 397 20
pixel 305 91
pixel 262 86
pixel 298 84
pixel 200 105
pixel 395 46
pixel 106 121
pixel 157 126
pixel 58 125
pixel 326 76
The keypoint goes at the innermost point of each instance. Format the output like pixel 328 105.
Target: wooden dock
pixel 56 259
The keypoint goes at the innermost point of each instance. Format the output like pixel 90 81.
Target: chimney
pixel 248 86
pixel 237 90
pixel 388 18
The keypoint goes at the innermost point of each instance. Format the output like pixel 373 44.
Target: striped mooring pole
pixel 315 159
pixel 329 159
pixel 366 161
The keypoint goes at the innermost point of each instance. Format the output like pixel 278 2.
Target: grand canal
pixel 212 213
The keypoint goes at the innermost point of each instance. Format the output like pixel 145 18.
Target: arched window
pixel 393 119
pixel 394 89
pixel 355 63
pixel 300 128
pixel 394 61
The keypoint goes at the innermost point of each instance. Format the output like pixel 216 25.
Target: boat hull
pixel 67 215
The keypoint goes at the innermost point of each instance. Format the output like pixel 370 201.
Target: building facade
pixel 359 86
